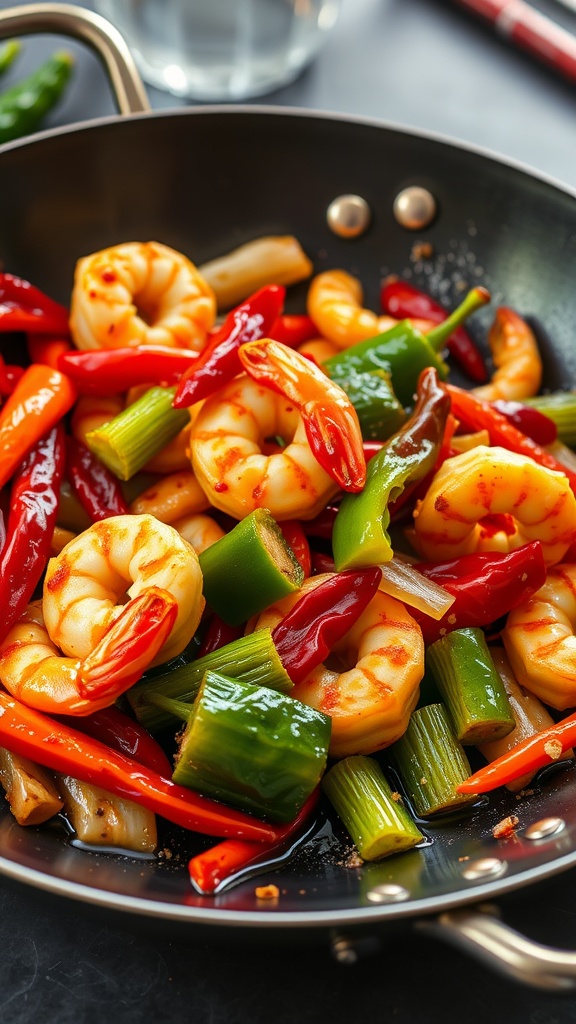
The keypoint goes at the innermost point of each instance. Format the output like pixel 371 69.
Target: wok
pixel 204 181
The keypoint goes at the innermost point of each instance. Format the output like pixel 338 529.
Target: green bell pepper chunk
pixel 404 352
pixel 380 414
pixel 360 535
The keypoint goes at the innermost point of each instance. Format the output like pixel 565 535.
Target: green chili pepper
pixel 403 351
pixel 360 529
pixel 8 54
pixel 24 105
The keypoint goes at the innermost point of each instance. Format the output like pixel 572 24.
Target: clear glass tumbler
pixel 221 50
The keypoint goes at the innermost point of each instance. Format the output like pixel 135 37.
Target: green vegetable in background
pixel 8 54
pixel 23 106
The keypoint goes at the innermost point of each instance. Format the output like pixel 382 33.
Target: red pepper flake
pixel 267 892
pixel 506 828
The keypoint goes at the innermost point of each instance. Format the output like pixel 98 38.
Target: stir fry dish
pixel 256 563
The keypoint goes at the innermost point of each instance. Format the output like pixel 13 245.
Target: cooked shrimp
pixel 373 685
pixel 335 305
pixel 226 445
pixel 33 669
pixel 540 642
pixel 172 497
pixel 140 293
pixel 87 582
pixel 199 530
pixel 91 412
pixel 330 419
pixel 491 499
pixel 516 357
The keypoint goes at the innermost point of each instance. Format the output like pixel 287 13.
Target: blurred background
pixel 432 65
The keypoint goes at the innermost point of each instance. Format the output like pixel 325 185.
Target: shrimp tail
pixel 128 646
pixel 332 436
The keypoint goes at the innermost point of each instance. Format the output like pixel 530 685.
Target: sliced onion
pixel 563 453
pixel 464 442
pixel 402 581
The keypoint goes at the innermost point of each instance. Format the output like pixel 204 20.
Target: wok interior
pixel 204 182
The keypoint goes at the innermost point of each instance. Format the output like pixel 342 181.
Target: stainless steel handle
pixel 88 27
pixel 504 949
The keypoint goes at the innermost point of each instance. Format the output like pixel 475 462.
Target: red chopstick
pixel 528 28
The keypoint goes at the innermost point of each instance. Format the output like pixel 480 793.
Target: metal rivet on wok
pixel 486 867
pixel 387 893
pixel 348 216
pixel 414 208
pixel 544 827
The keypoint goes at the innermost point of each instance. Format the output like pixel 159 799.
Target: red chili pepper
pixel 293 330
pixel 42 739
pixel 214 869
pixel 33 509
pixel 538 751
pixel 107 372
pixel 96 488
pixel 481 415
pixel 371 448
pixel 39 401
pixel 23 307
pixel 530 421
pixel 218 634
pixel 219 362
pixel 322 562
pixel 295 535
pixel 46 348
pixel 486 586
pixel 117 730
pixel 307 633
pixel 400 299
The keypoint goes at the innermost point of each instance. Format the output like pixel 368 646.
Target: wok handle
pixel 88 27
pixel 501 947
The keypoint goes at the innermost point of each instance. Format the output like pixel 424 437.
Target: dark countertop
pixel 428 65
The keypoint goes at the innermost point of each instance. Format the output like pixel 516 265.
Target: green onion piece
pixel 252 659
pixel 431 762
pixel 470 686
pixel 249 568
pixel 255 749
pixel 128 442
pixel 379 412
pixel 378 823
pixel 560 407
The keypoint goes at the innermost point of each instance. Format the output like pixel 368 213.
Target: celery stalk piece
pixel 431 762
pixel 560 407
pixel 530 717
pixel 378 822
pixel 253 748
pixel 252 659
pixel 128 441
pixel 249 568
pixel 470 686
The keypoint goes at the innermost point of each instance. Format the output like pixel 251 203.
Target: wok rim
pixel 217 918
pixel 305 114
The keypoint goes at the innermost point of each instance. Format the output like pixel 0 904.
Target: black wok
pixel 204 181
